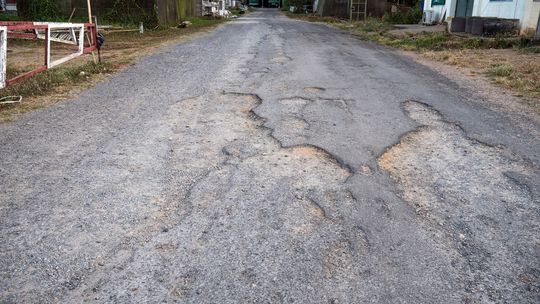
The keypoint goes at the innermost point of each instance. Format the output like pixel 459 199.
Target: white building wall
pixel 530 18
pixel 500 9
pixel 526 11
pixel 449 8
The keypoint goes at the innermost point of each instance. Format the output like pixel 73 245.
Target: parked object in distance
pixel 308 9
pixel 184 24
pixel 486 26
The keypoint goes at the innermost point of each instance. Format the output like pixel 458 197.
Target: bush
pixel 472 43
pixel 129 12
pixel 38 10
pixel 411 16
pixel 500 70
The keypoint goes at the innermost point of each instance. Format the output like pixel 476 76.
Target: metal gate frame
pixel 30 30
pixel 357 8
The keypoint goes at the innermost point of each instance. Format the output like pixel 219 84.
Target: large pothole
pixel 245 213
pixel 472 194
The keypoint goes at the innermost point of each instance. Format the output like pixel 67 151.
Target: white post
pixel 3 56
pixel 89 11
pixel 81 40
pixel 48 37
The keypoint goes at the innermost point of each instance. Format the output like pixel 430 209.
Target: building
pixel 526 11
pixel 9 5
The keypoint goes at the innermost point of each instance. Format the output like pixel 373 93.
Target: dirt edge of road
pixel 485 92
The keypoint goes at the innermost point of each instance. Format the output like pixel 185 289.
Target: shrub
pixel 410 16
pixel 500 70
pixel 129 12
pixel 38 10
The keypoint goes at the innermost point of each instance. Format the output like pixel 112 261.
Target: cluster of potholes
pixel 474 196
pixel 239 188
pixel 245 188
pixel 453 182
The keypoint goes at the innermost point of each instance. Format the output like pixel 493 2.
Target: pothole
pixel 295 124
pixel 314 90
pixel 295 101
pixel 462 188
pixel 281 59
pixel 437 164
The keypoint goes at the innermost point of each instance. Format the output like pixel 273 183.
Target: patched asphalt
pixel 271 161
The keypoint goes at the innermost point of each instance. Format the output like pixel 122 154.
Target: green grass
pixel 500 70
pixel 428 41
pixel 9 16
pixel 532 49
pixel 44 82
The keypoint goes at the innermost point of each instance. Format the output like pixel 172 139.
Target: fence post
pixel 48 47
pixel 3 56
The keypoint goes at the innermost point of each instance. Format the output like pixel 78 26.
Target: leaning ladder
pixel 358 8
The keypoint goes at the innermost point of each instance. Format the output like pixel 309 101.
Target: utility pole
pixel 89 11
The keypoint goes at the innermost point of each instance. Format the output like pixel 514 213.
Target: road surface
pixel 271 161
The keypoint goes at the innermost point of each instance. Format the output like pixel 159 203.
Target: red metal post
pixel 47 50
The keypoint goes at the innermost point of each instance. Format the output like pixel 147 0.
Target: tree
pixel 38 10
pixel 23 9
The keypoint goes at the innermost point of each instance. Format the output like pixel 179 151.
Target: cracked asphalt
pixel 271 161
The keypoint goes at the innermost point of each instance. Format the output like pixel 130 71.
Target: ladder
pixel 357 9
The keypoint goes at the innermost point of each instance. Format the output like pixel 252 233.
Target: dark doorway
pixel 464 8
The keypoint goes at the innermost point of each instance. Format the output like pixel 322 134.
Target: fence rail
pixel 77 32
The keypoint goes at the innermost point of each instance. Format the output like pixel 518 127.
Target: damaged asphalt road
pixel 271 161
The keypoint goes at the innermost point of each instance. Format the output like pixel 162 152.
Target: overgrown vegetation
pixel 122 12
pixel 44 10
pixel 500 70
pixel 129 12
pixel 44 82
pixel 411 15
pixel 38 10
pixel 9 16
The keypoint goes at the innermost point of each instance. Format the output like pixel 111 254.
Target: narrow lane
pixel 272 161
